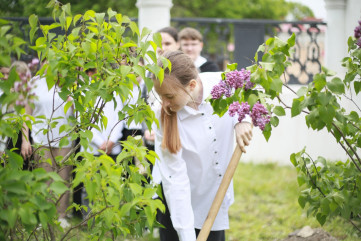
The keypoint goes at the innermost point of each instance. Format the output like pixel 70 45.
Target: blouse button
pixel 220 175
pixel 210 127
pixel 215 152
pixel 214 139
pixel 202 113
pixel 216 163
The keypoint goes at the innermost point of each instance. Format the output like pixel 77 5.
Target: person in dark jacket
pixel 191 43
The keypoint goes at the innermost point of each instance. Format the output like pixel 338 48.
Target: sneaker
pixel 64 223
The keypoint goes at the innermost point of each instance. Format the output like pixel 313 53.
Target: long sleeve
pixel 177 191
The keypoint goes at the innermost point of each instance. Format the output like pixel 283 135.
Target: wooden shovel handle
pixel 218 199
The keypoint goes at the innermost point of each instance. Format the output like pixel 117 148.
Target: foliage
pixel 260 9
pixel 9 44
pixel 121 198
pixel 330 189
pixel 12 8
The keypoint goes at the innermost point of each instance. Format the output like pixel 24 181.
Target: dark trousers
pixel 168 233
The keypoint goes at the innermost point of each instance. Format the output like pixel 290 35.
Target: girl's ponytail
pixel 171 139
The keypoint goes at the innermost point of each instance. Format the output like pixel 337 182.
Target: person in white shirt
pixel 194 148
pixel 48 104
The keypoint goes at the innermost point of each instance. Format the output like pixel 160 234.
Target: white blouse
pixel 44 104
pixel 191 177
pixel 113 130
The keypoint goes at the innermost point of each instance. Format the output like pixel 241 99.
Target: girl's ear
pixel 192 84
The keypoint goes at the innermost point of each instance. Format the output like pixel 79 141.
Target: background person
pixel 191 43
pixel 169 39
pixel 49 104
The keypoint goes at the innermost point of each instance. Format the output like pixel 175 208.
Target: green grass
pixel 265 207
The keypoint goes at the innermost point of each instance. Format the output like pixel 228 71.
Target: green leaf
pixel 64 142
pixel 252 99
pixel 321 218
pixel 278 110
pixel 26 215
pixel 58 187
pixel 292 40
pixel 9 215
pixel 276 85
pixel 336 86
pixel 357 86
pixel 302 201
pixel 150 215
pixel 90 187
pixel 111 13
pixel 67 106
pixel 274 121
pixel 136 188
pixel 319 81
pixel 43 219
pixel 327 71
pixel 145 32
pixel 296 107
pixel 267 66
pixel 125 209
pixel 33 20
pixel 15 160
pixel 327 113
pixel 157 38
pixel 133 26
pixel 119 18
pixel 76 19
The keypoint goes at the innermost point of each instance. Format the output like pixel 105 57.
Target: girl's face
pixel 169 43
pixel 173 97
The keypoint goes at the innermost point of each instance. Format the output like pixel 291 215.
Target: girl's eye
pixel 169 96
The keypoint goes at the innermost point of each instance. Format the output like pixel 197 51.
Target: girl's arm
pixel 26 149
pixel 177 191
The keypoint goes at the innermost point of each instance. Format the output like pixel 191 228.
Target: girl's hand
pixel 107 147
pixel 26 149
pixel 243 134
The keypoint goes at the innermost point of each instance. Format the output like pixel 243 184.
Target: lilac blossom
pixel 241 109
pixel 235 79
pixel 248 84
pixel 221 89
pixel 357 31
pixel 260 116
pixel 244 110
pixel 234 108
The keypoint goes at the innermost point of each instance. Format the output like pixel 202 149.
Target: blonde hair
pixel 183 71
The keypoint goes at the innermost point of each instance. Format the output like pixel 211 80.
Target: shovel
pixel 218 199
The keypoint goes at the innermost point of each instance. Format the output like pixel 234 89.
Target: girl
pixel 194 148
pixel 49 104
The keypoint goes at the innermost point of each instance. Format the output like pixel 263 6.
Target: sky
pixel 317 6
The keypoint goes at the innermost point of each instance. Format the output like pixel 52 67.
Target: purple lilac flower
pixel 244 110
pixel 221 89
pixel 260 116
pixel 234 108
pixel 248 84
pixel 357 31
pixel 235 79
